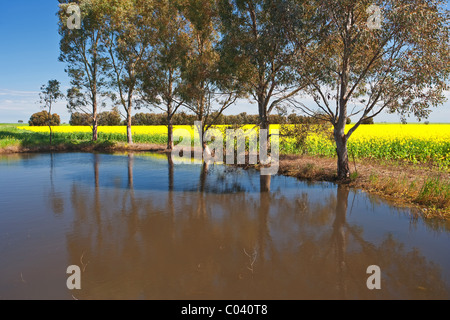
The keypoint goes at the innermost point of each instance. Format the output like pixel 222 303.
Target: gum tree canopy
pixel 82 51
pixel 373 56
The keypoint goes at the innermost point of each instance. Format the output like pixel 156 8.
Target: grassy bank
pixel 13 139
pixel 424 184
pixel 425 188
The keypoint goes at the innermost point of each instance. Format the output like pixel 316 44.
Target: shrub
pixel 109 118
pixel 142 119
pixel 80 119
pixel 42 119
pixel 367 121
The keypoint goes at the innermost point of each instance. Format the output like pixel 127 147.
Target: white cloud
pixel 17 93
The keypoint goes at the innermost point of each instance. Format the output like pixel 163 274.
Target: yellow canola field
pixel 432 132
pixel 417 143
pixel 105 129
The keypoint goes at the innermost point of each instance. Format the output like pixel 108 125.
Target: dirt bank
pixel 396 182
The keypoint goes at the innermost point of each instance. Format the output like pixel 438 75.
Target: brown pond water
pixel 141 227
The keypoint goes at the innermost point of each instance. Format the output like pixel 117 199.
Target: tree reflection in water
pixel 55 198
pixel 222 242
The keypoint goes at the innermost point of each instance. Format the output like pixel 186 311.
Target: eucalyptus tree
pixel 82 51
pixel 161 81
pixel 255 41
pixel 50 93
pixel 375 56
pixel 208 88
pixel 129 34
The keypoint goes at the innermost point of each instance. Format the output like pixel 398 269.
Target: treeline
pixel 106 118
pixel 112 118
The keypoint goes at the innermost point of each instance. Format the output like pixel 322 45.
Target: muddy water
pixel 143 227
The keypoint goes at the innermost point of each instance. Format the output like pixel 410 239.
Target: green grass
pixel 435 191
pixel 10 136
pixel 13 124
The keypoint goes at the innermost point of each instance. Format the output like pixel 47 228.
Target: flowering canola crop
pixel 416 143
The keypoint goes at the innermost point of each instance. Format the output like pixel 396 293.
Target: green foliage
pixel 367 121
pixel 182 118
pixel 296 139
pixel 256 47
pixel 209 85
pixel 354 175
pixel 49 94
pixel 84 55
pixel 109 118
pixel 161 81
pixel 436 191
pixel 43 119
pixel 80 119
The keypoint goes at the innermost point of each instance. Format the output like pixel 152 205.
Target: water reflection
pixel 339 237
pixel 142 226
pixel 205 244
pixel 55 198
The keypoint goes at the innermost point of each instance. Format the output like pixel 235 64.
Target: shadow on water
pixel 200 243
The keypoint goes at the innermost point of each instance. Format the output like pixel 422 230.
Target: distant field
pixel 415 143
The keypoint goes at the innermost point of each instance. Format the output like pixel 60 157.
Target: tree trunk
pixel 264 125
pixel 95 129
pixel 50 122
pixel 170 113
pixel 343 170
pixel 201 131
pixel 95 119
pixel 263 118
pixel 94 105
pixel 129 135
pixel 169 133
pixel 128 109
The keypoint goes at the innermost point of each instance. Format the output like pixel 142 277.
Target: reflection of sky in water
pixel 25 184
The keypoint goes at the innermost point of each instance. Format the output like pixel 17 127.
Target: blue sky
pixel 29 53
